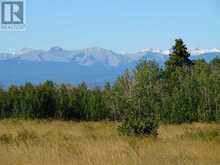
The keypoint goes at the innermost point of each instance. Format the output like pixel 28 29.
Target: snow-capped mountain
pixel 92 65
pixel 151 54
pixel 85 57
pixel 100 56
pixel 161 56
pixel 7 56
pixel 92 56
pixel 156 55
pixel 199 51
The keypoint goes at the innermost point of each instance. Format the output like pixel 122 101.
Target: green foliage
pixel 142 116
pixel 66 103
pixel 179 55
pixel 4 112
pixel 139 125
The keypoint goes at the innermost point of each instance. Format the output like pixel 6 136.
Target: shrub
pixel 141 126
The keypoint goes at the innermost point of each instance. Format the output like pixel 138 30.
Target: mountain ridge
pixel 94 55
pixel 94 66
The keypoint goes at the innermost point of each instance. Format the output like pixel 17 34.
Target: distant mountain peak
pixel 199 51
pixel 56 49
pixel 24 50
pixel 156 50
pixel 146 50
pixel 97 49
pixel 216 50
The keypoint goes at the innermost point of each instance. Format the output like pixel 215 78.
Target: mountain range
pixel 94 66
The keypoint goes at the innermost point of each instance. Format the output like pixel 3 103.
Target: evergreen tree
pixel 179 55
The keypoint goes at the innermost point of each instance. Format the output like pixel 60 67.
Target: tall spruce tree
pixel 179 103
pixel 179 55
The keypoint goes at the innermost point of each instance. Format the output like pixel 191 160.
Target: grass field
pixel 70 143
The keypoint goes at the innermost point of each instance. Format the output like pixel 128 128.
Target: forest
pixel 183 91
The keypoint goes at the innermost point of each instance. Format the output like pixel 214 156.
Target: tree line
pixel 183 91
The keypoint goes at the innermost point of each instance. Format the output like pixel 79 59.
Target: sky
pixel 119 25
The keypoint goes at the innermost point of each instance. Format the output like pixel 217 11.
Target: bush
pixel 141 126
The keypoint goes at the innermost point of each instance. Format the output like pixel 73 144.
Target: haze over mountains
pixel 92 65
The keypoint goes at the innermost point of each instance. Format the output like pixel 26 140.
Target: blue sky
pixel 119 25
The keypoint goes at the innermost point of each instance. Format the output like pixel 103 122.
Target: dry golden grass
pixel 70 143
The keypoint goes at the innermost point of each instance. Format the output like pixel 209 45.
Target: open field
pixel 65 143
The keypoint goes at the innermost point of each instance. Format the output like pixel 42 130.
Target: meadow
pixel 99 143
